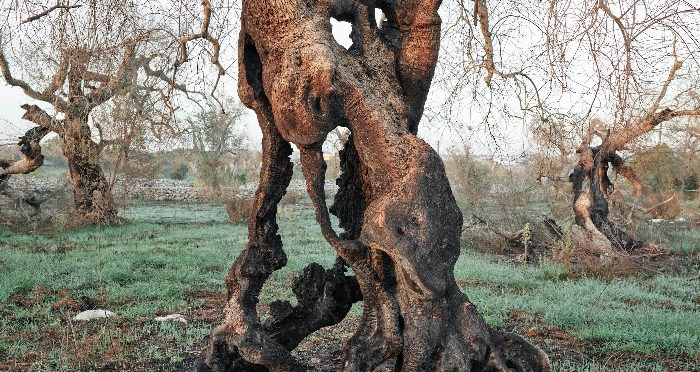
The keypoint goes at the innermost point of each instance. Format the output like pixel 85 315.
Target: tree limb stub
pixel 39 117
pixel 30 148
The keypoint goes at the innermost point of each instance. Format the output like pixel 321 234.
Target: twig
pixel 647 210
pixel 46 12
pixel 204 34
pixel 511 238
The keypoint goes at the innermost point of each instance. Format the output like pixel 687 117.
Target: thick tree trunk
pixel 395 203
pixel 91 191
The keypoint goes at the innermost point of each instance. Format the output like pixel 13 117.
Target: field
pixel 172 258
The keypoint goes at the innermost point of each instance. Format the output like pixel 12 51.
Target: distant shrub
pixel 179 171
pixel 470 179
pixel 292 197
pixel 239 209
pixel 662 169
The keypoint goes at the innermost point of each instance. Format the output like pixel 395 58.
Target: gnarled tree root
pixel 324 298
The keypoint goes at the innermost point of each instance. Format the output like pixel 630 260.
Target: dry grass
pixel 238 209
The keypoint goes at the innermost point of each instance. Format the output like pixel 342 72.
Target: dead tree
pixel 591 207
pixel 401 221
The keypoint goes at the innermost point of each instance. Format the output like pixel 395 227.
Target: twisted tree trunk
pixel 91 190
pixel 395 203
pixel 591 208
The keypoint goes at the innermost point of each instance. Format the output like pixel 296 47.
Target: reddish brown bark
pixel 91 191
pixel 401 219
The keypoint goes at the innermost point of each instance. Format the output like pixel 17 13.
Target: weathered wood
pixel 401 219
pixel 33 159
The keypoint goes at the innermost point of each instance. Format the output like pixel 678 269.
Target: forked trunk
pixel 591 208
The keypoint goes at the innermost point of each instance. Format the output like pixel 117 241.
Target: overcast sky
pixel 12 126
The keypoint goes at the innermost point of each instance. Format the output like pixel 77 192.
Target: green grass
pixel 169 251
pixel 631 314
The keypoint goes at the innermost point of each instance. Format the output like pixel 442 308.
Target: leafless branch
pixel 204 34
pixel 482 16
pixel 47 11
pixel 46 96
pixel 510 238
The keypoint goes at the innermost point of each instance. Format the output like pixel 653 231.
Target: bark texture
pixel 30 148
pixel 401 221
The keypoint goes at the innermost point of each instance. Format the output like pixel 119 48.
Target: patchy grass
pixel 173 257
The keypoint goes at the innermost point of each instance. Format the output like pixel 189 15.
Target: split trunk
pixel 401 221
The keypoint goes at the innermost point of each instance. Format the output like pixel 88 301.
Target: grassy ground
pixel 172 258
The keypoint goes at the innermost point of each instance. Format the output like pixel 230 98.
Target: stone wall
pixel 161 189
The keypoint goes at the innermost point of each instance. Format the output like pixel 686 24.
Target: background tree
pixel 73 59
pixel 612 71
pixel 215 135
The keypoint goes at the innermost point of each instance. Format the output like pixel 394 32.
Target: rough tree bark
pixel 30 148
pixel 401 220
pixel 91 192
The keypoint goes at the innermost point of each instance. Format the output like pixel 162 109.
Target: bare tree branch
pixel 47 11
pixel 481 14
pixel 47 96
pixel 124 79
pixel 510 238
pixel 204 34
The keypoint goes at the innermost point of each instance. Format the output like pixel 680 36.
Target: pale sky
pixel 12 126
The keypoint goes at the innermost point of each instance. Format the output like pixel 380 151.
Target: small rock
pixel 656 220
pixel 94 314
pixel 171 317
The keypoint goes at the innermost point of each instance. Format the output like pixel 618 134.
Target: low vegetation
pixel 172 258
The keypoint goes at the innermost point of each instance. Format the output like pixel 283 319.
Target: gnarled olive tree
pixel 77 60
pixel 401 222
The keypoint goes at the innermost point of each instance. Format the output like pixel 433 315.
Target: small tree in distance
pixel 215 134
